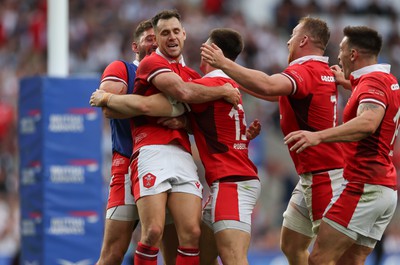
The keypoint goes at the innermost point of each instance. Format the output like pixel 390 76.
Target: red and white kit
pixel 146 133
pixel 220 133
pixel 312 106
pixel 368 201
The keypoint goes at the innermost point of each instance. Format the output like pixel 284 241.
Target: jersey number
pixel 334 101
pixel 397 125
pixel 238 116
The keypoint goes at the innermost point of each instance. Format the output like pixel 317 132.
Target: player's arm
pixel 254 94
pixel 113 87
pixel 172 84
pixel 254 80
pixel 126 106
pixel 369 117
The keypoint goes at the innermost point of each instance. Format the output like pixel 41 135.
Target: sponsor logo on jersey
pixel 140 137
pixel 394 87
pixel 239 146
pixel 327 78
pixel 118 161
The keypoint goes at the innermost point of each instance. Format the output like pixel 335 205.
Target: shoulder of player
pixel 378 80
pixel 114 67
pixel 311 69
pixel 116 71
pixel 116 64
pixel 152 58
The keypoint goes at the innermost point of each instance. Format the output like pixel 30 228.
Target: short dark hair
pixel 142 27
pixel 165 14
pixel 364 38
pixel 318 31
pixel 228 40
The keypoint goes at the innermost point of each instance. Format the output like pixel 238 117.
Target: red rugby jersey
pixel 370 160
pixel 220 133
pixel 312 106
pixel 146 131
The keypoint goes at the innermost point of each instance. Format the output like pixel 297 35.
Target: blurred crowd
pixel 100 31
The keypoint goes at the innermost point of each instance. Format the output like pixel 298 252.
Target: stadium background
pixel 100 31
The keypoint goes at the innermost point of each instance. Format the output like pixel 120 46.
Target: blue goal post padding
pixel 61 183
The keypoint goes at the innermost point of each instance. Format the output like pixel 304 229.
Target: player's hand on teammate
pixel 99 98
pixel 339 77
pixel 301 140
pixel 212 54
pixel 253 130
pixel 232 94
pixel 179 122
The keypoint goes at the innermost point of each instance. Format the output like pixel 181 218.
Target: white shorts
pixel 310 198
pixel 130 213
pixel 297 219
pixel 123 213
pixel 362 211
pixel 164 168
pixel 231 205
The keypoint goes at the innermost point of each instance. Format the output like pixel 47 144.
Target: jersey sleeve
pixel 372 90
pixel 151 66
pixel 298 77
pixel 115 71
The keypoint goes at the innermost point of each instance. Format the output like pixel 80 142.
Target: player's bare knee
pixel 152 235
pixel 292 248
pixel 286 248
pixel 314 259
pixel 196 231
pixel 230 255
pixel 191 238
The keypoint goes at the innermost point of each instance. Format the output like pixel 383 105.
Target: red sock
pixel 145 255
pixel 188 256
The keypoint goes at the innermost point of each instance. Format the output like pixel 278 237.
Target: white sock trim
pixel 146 255
pixel 188 254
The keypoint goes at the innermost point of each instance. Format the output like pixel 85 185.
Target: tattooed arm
pixel 369 117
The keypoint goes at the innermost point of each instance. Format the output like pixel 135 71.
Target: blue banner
pixel 61 185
